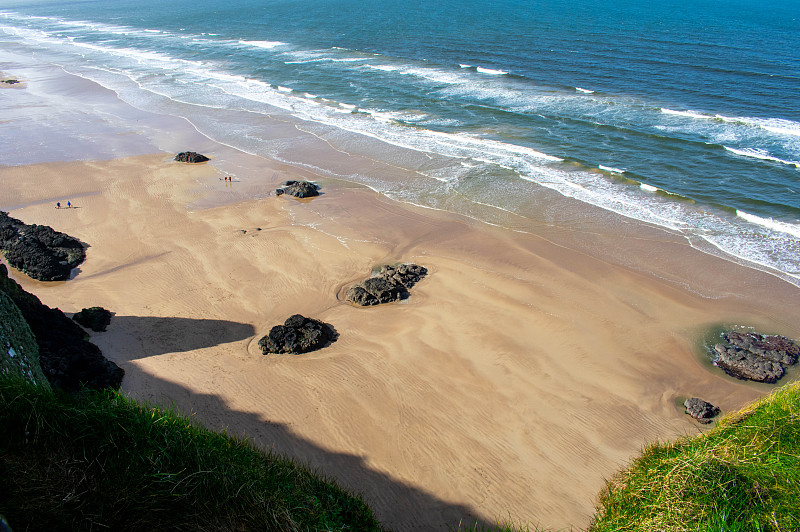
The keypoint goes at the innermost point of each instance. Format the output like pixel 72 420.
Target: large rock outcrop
pixel 38 250
pixel 19 353
pixel 67 358
pixel 191 157
pixel 390 284
pixel 755 357
pixel 298 334
pixel 298 189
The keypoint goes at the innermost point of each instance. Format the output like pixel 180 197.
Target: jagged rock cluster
pixel 755 357
pixel 38 250
pixel 298 189
pixel 68 359
pixel 298 334
pixel 390 284
pixel 191 157
pixel 94 318
pixel 701 410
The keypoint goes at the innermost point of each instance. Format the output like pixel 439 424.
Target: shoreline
pixel 523 370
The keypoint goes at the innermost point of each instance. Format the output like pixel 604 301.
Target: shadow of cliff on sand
pixel 397 505
pixel 149 336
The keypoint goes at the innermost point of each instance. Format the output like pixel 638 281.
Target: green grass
pixel 742 475
pixel 102 461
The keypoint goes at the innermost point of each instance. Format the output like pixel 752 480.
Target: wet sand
pixel 522 372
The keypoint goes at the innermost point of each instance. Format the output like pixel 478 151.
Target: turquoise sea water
pixel 683 114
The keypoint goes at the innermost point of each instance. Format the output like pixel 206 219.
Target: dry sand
pixel 518 376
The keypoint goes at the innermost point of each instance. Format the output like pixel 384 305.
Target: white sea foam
pixel 585 91
pixel 648 188
pixel 689 114
pixel 347 105
pixel 611 169
pixel 263 44
pixel 384 68
pixel 491 71
pixel 761 154
pixel 769 223
pixel 462 65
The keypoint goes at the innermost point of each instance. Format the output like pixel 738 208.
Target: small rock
pixel 701 410
pixel 391 284
pixel 298 189
pixel 191 157
pixel 94 318
pixel 298 334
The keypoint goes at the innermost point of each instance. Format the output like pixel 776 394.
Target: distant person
pixel 58 205
pixel 69 205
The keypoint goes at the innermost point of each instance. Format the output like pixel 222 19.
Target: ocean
pixel 681 114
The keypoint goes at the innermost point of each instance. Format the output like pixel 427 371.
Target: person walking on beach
pixel 58 205
pixel 69 205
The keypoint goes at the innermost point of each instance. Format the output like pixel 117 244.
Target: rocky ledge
pixel 701 410
pixel 94 318
pixel 755 357
pixel 298 189
pixel 390 284
pixel 191 157
pixel 298 334
pixel 69 361
pixel 38 250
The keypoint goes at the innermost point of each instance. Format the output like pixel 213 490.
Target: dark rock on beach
pixel 755 357
pixel 38 250
pixel 298 334
pixel 390 284
pixel 94 318
pixel 775 348
pixel 298 189
pixel 191 157
pixel 701 410
pixel 68 359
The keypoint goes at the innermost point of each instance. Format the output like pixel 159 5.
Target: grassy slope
pixel 742 475
pixel 103 461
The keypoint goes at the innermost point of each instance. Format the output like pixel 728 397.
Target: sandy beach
pixel 525 370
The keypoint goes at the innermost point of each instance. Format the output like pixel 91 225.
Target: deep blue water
pixel 684 114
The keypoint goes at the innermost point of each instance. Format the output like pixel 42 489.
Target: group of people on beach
pixel 228 178
pixel 58 205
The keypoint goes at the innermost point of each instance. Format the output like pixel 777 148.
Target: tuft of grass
pixel 103 461
pixel 742 475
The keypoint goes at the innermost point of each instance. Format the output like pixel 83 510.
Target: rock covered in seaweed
pixel 94 318
pixel 298 334
pixel 702 411
pixel 755 357
pixel 39 250
pixel 390 284
pixel 19 352
pixel 191 157
pixel 298 189
pixel 67 358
